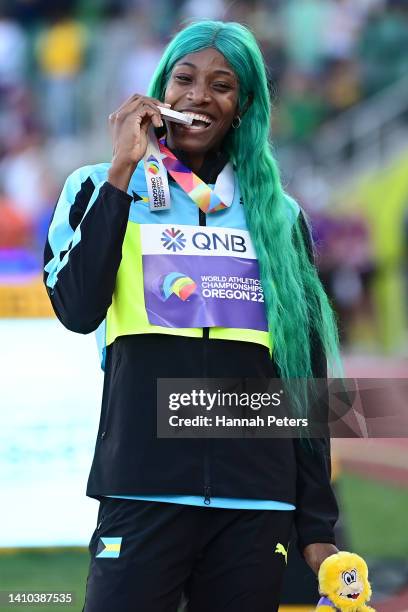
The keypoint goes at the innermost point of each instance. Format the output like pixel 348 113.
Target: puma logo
pixel 281 550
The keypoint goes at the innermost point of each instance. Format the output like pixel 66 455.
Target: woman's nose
pixel 199 92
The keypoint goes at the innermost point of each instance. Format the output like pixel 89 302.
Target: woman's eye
pixel 187 79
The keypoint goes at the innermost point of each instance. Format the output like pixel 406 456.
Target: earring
pixel 236 126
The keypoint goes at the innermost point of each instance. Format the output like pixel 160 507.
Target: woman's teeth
pixel 202 119
pixel 197 127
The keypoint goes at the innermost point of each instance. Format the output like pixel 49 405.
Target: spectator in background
pixel 15 229
pixel 264 19
pixel 211 9
pixel 28 12
pixel 346 268
pixel 17 118
pixel 13 55
pixel 121 29
pixel 137 67
pixel 302 106
pixel 342 86
pixel 61 57
pixel 405 255
pixel 343 20
pixel 383 47
pixel 13 72
pixel 25 177
pixel 304 22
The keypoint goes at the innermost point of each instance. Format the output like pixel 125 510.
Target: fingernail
pixel 166 104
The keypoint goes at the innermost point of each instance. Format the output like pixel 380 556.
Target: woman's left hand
pixel 315 554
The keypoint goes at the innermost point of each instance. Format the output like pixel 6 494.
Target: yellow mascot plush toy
pixel 343 584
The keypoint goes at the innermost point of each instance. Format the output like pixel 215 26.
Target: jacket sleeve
pixel 316 506
pixel 84 249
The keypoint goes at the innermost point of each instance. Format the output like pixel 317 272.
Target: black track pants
pixel 146 555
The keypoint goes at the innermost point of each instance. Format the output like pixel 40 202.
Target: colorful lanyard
pixel 159 158
pixel 209 200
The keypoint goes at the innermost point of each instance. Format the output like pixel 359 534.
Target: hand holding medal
pixel 129 128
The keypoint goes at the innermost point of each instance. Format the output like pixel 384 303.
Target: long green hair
pixel 297 307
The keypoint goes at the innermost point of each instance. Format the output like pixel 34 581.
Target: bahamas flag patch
pixel 108 548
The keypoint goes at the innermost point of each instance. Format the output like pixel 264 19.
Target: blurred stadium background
pixel 339 81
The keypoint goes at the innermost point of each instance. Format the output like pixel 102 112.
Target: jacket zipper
pixel 207 485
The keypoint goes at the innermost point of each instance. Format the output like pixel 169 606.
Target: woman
pixel 210 517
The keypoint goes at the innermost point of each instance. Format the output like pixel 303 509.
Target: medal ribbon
pixel 198 190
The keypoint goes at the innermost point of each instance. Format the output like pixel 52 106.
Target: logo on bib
pixel 173 240
pixel 178 284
